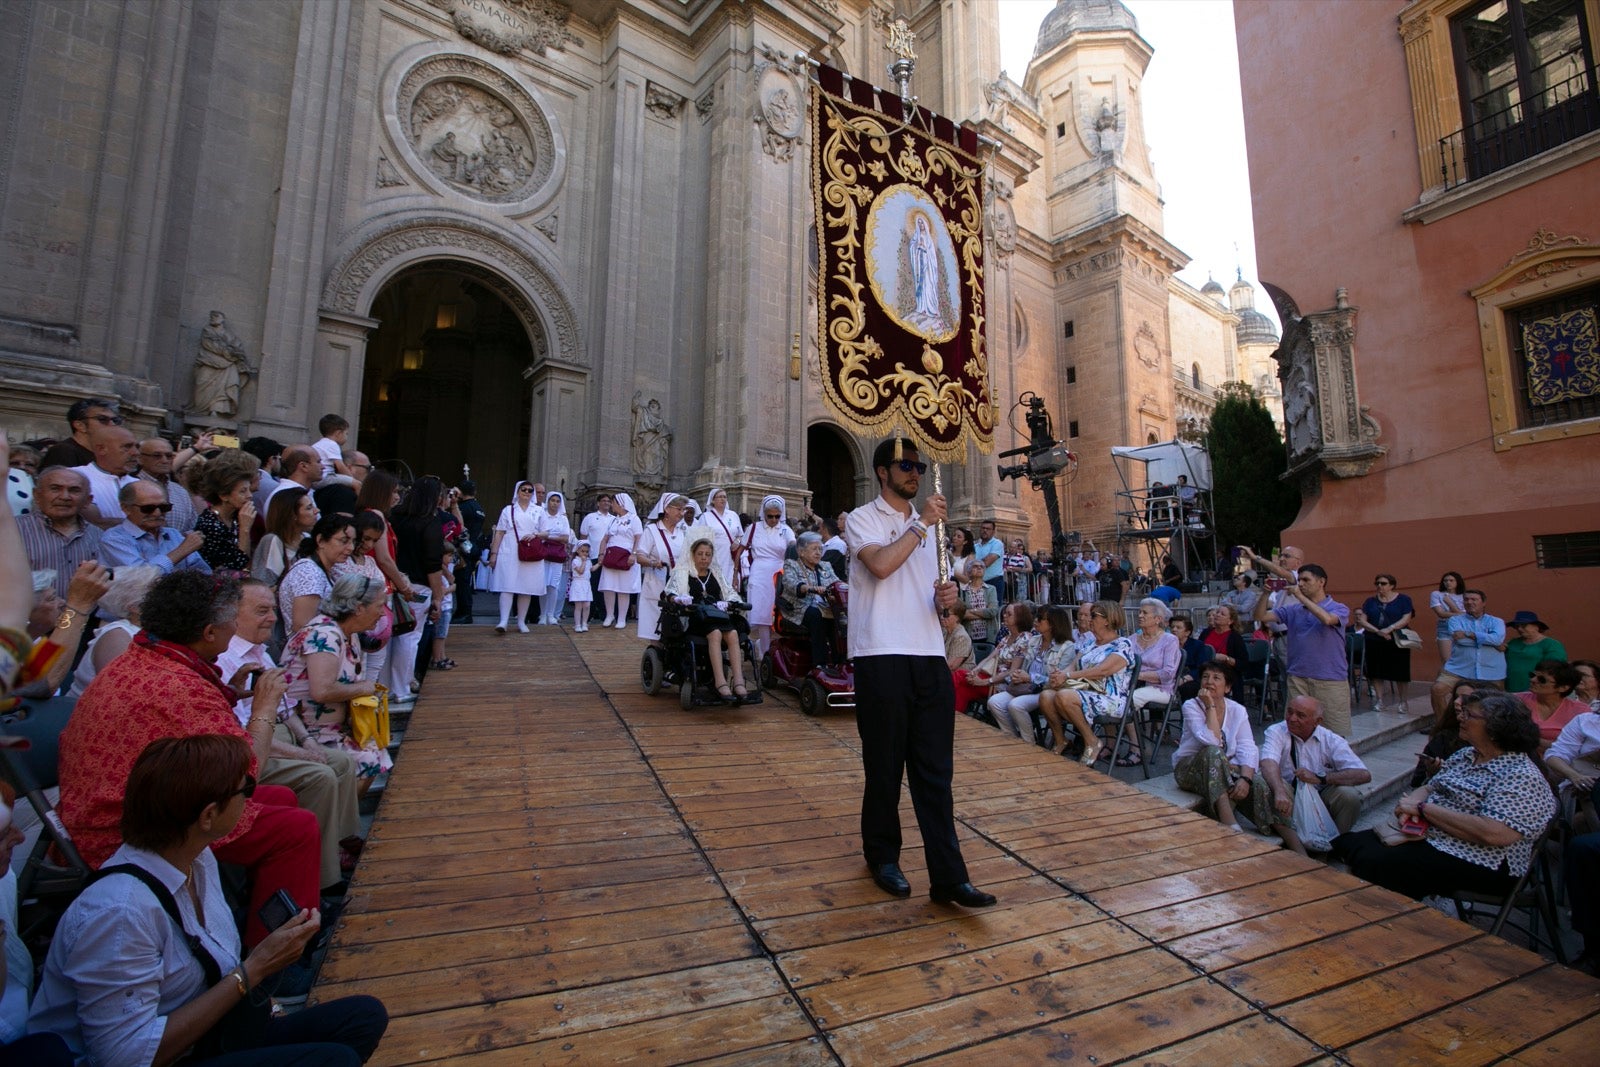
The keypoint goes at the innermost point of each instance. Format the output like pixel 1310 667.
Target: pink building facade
pixel 1427 208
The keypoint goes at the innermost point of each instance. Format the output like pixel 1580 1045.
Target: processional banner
pixel 1563 357
pixel 899 210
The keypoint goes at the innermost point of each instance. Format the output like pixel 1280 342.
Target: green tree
pixel 1253 504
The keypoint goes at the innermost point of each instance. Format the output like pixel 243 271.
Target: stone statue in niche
pixel 220 370
pixel 472 140
pixel 651 439
pixel 1300 414
pixel 1329 431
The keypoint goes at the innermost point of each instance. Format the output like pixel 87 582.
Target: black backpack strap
pixel 208 964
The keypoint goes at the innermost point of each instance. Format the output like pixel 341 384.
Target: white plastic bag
pixel 1311 820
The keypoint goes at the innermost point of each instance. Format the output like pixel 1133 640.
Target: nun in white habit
pixel 555 526
pixel 727 533
pixel 767 543
pixel 658 550
pixel 618 586
pixel 514 577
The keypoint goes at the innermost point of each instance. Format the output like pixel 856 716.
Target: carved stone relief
pixel 1102 126
pixel 703 106
pixel 662 102
pixel 1146 349
pixel 388 175
pixel 1328 428
pixel 474 129
pixel 548 225
pixel 778 110
pixel 509 26
pixel 1002 219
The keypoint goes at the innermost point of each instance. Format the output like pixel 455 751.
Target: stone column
pixel 340 352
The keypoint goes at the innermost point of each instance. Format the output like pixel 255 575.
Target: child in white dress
pixel 579 594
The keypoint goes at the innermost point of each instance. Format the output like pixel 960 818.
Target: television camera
pixel 1046 459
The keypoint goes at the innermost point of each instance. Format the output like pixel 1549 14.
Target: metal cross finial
pixel 900 41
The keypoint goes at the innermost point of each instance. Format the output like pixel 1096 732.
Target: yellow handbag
pixel 369 718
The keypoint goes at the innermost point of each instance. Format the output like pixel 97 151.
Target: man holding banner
pixel 904 691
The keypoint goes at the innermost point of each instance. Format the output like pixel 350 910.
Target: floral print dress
pixel 327 722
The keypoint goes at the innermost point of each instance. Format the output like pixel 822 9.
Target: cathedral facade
pixel 565 239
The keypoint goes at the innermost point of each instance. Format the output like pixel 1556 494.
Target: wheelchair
pixel 682 660
pixel 788 661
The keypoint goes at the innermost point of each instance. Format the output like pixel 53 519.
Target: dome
pixel 1212 289
pixel 1070 16
pixel 1255 328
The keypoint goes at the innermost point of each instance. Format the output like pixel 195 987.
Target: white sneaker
pixel 622 624
pixel 522 627
pixel 603 625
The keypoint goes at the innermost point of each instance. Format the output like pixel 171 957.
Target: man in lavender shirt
pixel 1318 664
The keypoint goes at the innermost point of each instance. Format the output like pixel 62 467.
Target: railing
pixel 1506 137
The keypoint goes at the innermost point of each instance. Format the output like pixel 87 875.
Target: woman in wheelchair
pixel 806 582
pixel 713 612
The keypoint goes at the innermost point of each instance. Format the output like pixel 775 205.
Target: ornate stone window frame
pixel 1424 28
pixel 1548 267
pixel 496 76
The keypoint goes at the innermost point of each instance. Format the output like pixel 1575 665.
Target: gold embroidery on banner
pixel 943 407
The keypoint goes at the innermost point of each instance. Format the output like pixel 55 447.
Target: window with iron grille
pixel 1554 381
pixel 1526 77
pixel 1561 551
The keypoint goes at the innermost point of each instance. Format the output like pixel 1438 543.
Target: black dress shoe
pixel 888 878
pixel 963 894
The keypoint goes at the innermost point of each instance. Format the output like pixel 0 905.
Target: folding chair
pixel 1129 716
pixel 1532 893
pixel 1355 648
pixel 1256 673
pixel 1171 712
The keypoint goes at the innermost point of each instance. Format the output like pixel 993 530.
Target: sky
pixel 1194 121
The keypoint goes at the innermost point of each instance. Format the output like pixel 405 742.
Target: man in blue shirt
pixel 1477 651
pixel 144 537
pixel 990 551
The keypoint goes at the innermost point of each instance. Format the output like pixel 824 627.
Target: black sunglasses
pixel 908 465
pixel 151 509
pixel 106 420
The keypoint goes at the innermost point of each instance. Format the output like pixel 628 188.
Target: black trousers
pixel 1418 869
pixel 903 717
pixel 338 1033
pixel 820 629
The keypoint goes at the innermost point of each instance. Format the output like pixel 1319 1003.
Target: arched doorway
pixel 445 383
pixel 830 471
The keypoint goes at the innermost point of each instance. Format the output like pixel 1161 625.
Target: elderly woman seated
pixel 1160 652
pixel 1028 660
pixel 1549 698
pixel 1096 688
pixel 1217 757
pixel 1477 818
pixel 323 664
pixel 806 581
pixel 697 583
pixel 146 966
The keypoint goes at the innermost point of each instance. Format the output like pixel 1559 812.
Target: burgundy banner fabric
pixel 900 243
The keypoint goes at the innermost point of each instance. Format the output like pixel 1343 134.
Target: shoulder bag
pixel 404 620
pixel 616 557
pixel 245 1026
pixel 555 551
pixel 530 549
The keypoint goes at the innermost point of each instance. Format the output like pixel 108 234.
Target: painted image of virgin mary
pixel 924 261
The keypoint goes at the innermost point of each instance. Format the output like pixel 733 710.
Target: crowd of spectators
pixel 193 624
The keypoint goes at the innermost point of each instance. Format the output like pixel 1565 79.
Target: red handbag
pixel 554 551
pixel 617 558
pixel 530 549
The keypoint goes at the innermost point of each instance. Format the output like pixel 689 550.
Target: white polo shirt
pixel 894 616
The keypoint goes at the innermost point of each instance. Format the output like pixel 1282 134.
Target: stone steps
pixel 1387 742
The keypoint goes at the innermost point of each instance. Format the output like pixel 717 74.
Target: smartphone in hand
pixel 279 909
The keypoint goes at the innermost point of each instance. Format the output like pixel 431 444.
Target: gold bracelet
pixel 66 618
pixel 240 980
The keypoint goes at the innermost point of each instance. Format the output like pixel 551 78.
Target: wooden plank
pixel 1203 913
pixel 1004 1010
pixel 1571 1046
pixel 1485 1028
pixel 1410 991
pixel 1252 1040
pixel 1278 931
pixel 1300 972
pixel 871 994
pixel 456 986
pixel 1129 869
pixel 1007 923
pixel 1224 877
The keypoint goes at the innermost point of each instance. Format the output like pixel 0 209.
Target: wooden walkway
pixel 564 870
